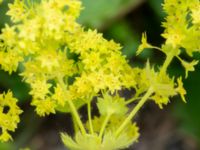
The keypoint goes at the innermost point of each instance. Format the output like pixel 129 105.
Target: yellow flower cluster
pixel 182 31
pixel 62 61
pixel 182 24
pixel 163 86
pixel 9 115
pixel 45 36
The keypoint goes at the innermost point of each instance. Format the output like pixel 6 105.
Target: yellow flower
pixel 173 37
pixel 112 82
pixel 40 88
pixel 9 118
pixel 180 89
pixel 30 30
pixel 59 95
pixel 9 61
pixel 92 61
pixel 5 136
pixel 160 100
pixel 8 35
pixel 144 44
pixel 196 14
pixel 49 60
pixel 44 106
pixel 189 66
pixel 17 11
pixel 81 88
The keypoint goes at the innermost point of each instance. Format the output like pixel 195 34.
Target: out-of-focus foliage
pixel 14 82
pixel 101 12
pixel 156 7
pixel 189 114
pixel 3 9
pixel 6 146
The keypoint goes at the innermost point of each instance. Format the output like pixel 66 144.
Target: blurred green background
pixel 175 128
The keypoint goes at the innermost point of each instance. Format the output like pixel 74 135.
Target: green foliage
pixel 189 114
pixel 122 31
pixel 108 142
pixel 19 88
pixel 97 12
pixel 111 105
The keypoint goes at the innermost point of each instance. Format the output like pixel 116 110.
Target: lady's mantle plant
pixel 67 66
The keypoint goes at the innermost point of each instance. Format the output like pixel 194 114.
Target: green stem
pixel 73 108
pixel 134 111
pixel 90 118
pixel 76 116
pixel 132 100
pixel 76 128
pixel 104 125
pixel 167 62
pixel 157 48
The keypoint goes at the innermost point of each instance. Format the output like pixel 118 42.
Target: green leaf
pixel 69 142
pixel 109 141
pixel 124 140
pixel 112 105
pixel 82 142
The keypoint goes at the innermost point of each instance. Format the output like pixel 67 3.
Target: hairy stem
pixel 134 111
